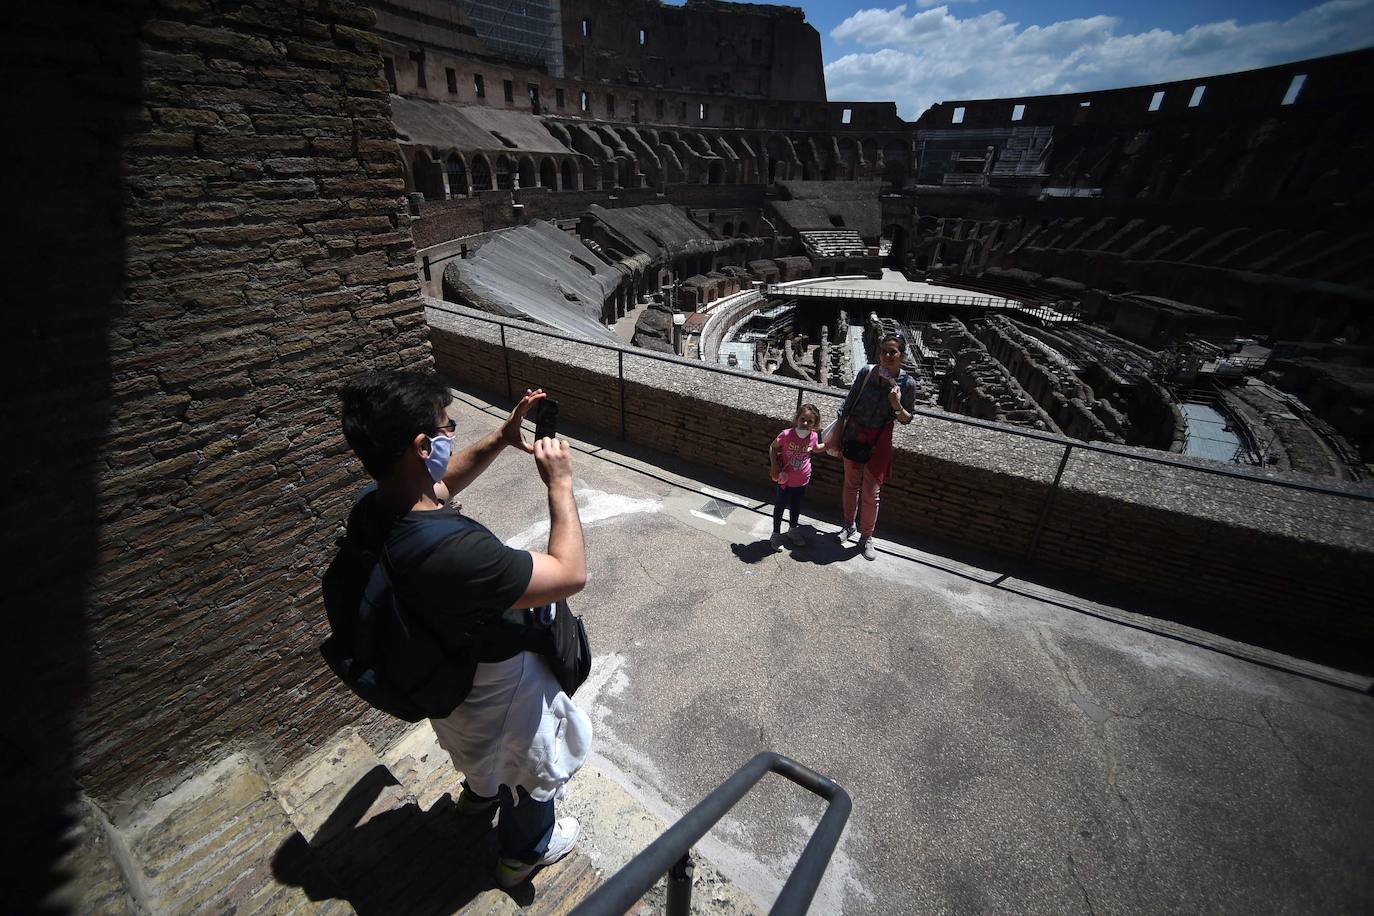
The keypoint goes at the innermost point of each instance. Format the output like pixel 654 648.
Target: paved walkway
pixel 1004 749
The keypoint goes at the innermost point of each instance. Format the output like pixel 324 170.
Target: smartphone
pixel 546 419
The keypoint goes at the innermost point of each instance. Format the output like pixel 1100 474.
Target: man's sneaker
pixel 471 805
pixel 510 872
pixel 776 540
pixel 798 539
pixel 846 533
pixel 866 548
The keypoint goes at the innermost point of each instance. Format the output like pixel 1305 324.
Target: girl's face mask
pixel 440 448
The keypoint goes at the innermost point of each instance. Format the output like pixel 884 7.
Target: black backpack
pixel 383 652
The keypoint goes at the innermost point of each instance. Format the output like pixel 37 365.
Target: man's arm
pixel 465 466
pixel 562 572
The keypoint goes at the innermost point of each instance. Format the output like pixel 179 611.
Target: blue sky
pixel 925 51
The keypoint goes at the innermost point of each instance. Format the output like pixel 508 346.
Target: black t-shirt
pixel 463 585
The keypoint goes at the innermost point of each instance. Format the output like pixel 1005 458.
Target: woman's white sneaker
pixel 866 548
pixel 510 872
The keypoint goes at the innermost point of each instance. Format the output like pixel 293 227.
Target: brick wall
pixel 244 248
pixel 1273 566
pixel 440 221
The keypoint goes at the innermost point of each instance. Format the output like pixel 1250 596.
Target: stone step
pixel 352 828
pixel 215 843
pixel 99 885
pixel 382 823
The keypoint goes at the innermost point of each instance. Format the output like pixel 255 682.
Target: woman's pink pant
pixel 858 482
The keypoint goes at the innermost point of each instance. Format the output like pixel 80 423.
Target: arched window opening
pixel 548 175
pixel 505 179
pixel 457 176
pixel 569 176
pixel 895 163
pixel 481 175
pixel 428 180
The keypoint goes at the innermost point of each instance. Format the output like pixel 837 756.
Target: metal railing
pixel 1068 445
pixel 671 854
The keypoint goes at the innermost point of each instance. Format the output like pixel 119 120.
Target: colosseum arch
pixel 505 173
pixel 429 181
pixel 548 174
pixel 481 173
pixel 826 154
pixel 457 175
pixel 673 172
pixel 527 173
pixel 896 236
pixel 628 169
pixel 778 157
pixel 849 157
pixel 869 146
pixel 894 162
pixel 748 159
pixel 715 172
pixel 569 175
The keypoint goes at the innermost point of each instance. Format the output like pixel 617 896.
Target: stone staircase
pixel 1023 154
pixel 351 829
pixel 833 243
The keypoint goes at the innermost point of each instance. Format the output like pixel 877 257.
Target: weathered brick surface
pixel 1276 566
pixel 265 255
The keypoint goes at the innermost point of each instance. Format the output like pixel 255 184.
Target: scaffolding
pixel 530 30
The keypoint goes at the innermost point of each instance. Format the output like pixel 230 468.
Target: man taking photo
pixel 515 736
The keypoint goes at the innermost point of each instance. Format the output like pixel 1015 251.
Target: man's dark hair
pixel 383 410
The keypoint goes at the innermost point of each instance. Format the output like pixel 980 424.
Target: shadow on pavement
pixel 400 861
pixel 821 549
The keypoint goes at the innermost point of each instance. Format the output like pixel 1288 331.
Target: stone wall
pixel 244 248
pixel 1068 401
pixel 441 221
pixel 1224 553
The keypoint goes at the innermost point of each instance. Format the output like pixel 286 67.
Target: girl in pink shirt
pixel 789 458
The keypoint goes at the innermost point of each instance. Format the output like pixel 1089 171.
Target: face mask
pixel 801 433
pixel 440 447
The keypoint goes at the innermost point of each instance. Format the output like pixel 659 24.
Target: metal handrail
pixel 671 852
pixel 959 419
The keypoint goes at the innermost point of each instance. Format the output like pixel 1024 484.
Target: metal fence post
pixel 799 397
pixel 620 371
pixel 680 887
pixel 1049 501
pixel 505 355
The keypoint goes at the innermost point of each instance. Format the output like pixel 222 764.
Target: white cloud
pixel 932 55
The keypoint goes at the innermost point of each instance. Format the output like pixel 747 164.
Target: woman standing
pixel 880 394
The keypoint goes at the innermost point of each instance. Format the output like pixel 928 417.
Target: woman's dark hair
pixel 383 410
pixel 893 335
pixel 815 413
